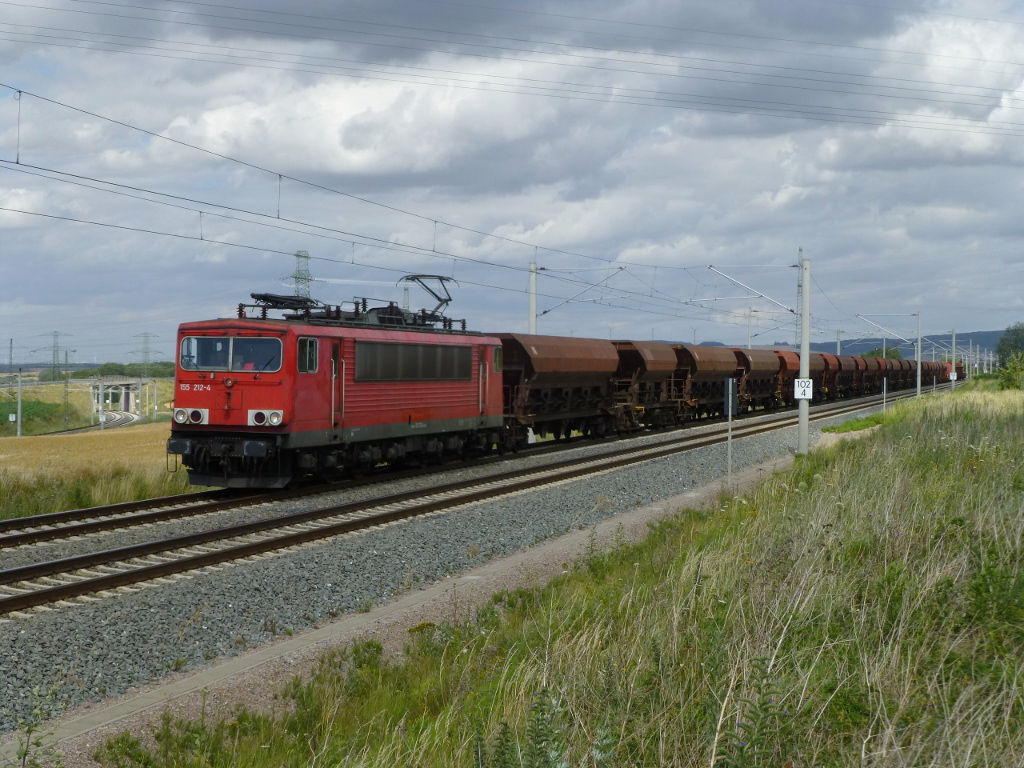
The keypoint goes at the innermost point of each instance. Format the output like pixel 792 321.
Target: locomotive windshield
pixel 230 353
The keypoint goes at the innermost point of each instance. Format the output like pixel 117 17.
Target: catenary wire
pixel 580 56
pixel 675 58
pixel 613 94
pixel 265 249
pixel 364 240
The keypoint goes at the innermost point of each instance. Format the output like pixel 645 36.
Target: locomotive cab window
pixel 308 349
pixel 255 354
pixel 225 353
pixel 497 359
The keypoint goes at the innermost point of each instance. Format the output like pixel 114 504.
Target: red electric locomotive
pixel 261 402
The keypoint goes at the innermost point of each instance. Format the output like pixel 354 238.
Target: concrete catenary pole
pixel 805 350
pixel 19 402
pixel 533 297
pixel 953 357
pixel 918 354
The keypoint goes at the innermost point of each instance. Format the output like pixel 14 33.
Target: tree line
pixel 163 370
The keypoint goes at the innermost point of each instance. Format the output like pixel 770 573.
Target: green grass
pixel 864 608
pixel 38 417
pixel 855 425
pixel 21 496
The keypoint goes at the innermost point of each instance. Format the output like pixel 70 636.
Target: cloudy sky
pixel 160 160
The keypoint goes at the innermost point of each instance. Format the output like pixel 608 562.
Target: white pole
pixel 729 384
pixel 953 358
pixel 19 402
pixel 533 297
pixel 918 354
pixel 805 350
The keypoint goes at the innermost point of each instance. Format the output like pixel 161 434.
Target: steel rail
pixel 36 535
pixel 88 513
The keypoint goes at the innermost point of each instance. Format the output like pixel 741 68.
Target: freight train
pixel 319 391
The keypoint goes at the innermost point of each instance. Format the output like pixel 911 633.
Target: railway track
pixel 114 420
pixel 36 529
pixel 96 575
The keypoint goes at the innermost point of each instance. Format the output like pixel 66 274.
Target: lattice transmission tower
pixel 145 351
pixel 301 276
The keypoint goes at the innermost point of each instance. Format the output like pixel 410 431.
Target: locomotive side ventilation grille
pixel 381 361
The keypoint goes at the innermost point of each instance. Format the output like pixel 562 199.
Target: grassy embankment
pixel 865 608
pixel 42 409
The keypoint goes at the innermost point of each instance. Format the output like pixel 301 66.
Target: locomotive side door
pixel 482 382
pixel 337 386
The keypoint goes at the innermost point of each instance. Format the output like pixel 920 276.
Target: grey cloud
pixel 669 183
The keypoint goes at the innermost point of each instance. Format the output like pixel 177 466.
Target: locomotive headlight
pixel 191 415
pixel 266 418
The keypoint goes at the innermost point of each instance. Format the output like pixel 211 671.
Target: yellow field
pixel 135 448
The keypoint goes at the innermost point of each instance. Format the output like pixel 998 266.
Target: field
pixel 865 608
pixel 41 474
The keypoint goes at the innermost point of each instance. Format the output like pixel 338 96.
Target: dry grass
pixel 78 396
pixel 141 447
pixel 43 474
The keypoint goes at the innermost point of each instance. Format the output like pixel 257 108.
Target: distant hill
pixel 983 339
pixel 987 340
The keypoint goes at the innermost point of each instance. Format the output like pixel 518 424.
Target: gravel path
pixel 104 648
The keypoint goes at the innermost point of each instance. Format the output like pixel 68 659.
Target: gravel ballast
pixel 104 648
